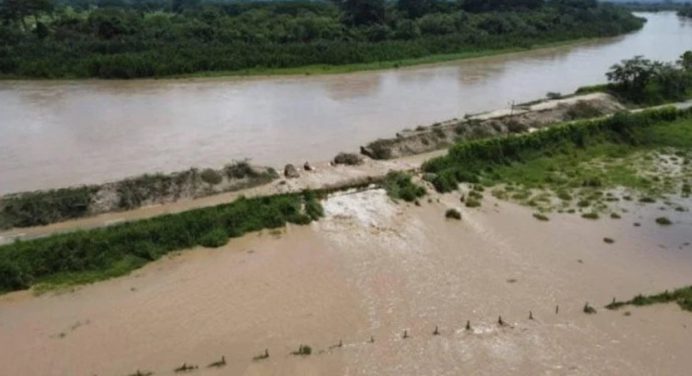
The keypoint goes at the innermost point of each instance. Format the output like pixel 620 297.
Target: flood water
pixel 60 133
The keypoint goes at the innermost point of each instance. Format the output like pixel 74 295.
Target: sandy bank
pixel 375 268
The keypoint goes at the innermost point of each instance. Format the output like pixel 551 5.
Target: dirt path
pixel 375 268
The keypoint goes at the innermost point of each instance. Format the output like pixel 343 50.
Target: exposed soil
pixel 522 118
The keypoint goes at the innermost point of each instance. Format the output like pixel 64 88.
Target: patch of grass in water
pixel 399 186
pixel 682 296
pixel 664 221
pixel 541 217
pixel 453 214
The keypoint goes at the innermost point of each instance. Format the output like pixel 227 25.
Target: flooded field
pixel 374 269
pixel 59 133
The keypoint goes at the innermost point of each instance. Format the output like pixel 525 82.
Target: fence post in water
pixel 468 324
pixel 530 315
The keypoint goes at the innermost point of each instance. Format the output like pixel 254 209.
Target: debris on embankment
pixel 521 118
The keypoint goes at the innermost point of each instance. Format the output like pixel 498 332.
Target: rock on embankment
pixel 45 207
pixel 521 118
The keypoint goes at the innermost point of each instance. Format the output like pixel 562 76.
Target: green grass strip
pixel 87 256
pixel 471 161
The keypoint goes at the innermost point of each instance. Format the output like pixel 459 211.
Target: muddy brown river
pixel 59 133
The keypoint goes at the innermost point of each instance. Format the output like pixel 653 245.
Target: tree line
pixel 643 81
pixel 152 38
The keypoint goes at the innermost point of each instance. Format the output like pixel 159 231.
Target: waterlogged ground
pixel 373 268
pixel 597 185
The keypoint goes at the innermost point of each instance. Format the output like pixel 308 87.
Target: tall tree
pixel 18 10
pixel 362 12
pixel 416 8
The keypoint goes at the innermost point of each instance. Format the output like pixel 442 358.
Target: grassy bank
pixel 682 296
pixel 326 69
pixel 571 167
pixel 93 255
pixel 323 69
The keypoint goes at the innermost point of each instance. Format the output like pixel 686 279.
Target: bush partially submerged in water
pixel 682 296
pixel 473 203
pixel 399 186
pixel 664 221
pixel 453 214
pixel 541 217
pixel 303 350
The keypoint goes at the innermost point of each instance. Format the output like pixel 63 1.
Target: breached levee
pixel 521 118
pixel 39 208
pixel 51 206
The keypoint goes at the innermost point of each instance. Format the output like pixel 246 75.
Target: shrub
pixel 608 240
pixel 349 159
pixel 303 350
pixel 44 207
pixel 399 186
pixel 663 221
pixel 240 170
pixel 210 176
pixel 589 310
pixel 472 203
pixel 590 215
pixel 583 110
pixel 453 214
pixel 541 217
pixel 214 238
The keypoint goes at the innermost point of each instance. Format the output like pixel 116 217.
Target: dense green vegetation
pixel 546 157
pixel 400 187
pixel 153 38
pixel 92 255
pixel 686 11
pixel 651 6
pixel 644 82
pixel 682 296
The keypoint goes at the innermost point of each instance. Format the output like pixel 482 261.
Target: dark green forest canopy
pixel 151 38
